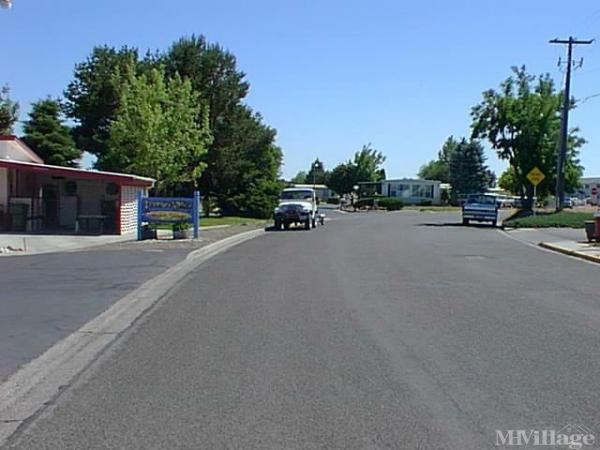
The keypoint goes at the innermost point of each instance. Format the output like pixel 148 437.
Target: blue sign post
pixel 169 210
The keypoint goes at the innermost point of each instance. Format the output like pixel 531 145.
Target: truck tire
pixel 465 221
pixel 307 224
pixel 314 223
pixel 286 226
pixel 277 225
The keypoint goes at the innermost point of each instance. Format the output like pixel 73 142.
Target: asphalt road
pixel 46 297
pixel 376 331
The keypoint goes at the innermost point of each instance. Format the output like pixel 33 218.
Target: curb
pixel 40 382
pixel 566 251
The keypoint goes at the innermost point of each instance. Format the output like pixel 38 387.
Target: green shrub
pixel 333 200
pixel 426 203
pixel 391 203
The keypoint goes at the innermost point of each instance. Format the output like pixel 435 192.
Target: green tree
pixel 468 172
pixel 156 132
pixel 522 121
pixel 300 177
pixel 342 178
pixel 317 173
pixel 47 135
pixel 249 174
pixel 94 94
pixel 508 182
pixel 368 164
pixel 365 166
pixel 9 112
pixel 236 129
pixel 213 72
pixel 439 169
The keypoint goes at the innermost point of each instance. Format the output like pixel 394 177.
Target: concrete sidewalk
pixel 585 250
pixel 14 244
pixel 33 244
pixel 569 241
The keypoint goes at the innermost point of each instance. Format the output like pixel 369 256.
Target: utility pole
pixel 564 126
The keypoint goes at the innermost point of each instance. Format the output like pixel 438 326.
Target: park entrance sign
pixel 169 210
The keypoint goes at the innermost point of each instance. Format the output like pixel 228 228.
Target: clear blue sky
pixel 329 75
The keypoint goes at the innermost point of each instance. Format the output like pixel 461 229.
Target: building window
pixel 422 191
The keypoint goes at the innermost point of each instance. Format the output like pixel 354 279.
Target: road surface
pixel 46 297
pixel 400 330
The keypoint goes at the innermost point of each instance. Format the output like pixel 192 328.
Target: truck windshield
pixel 296 195
pixel 482 199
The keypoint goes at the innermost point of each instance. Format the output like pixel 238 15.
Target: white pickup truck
pixel 480 208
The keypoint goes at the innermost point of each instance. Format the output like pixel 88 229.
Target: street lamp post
pixel 317 165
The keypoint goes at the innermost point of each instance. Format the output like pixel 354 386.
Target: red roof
pixel 68 172
pixel 39 167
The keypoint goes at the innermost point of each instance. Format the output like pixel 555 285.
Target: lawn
pixel 563 219
pixel 229 220
pixel 214 221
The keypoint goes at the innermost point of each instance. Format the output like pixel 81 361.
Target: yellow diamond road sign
pixel 536 176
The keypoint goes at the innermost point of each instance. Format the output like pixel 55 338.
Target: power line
pixel 564 126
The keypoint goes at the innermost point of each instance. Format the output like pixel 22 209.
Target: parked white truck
pixel 297 206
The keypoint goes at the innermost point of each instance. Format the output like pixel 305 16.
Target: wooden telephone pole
pixel 564 126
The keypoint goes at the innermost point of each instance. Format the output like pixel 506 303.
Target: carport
pixel 36 197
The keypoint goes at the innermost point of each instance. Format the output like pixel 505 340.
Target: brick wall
pixel 129 208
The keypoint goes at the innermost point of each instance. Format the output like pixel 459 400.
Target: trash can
pixel 590 230
pixel 18 216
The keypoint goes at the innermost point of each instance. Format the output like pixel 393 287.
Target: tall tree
pixel 507 181
pixel 94 94
pixel 317 173
pixel 368 164
pixel 300 177
pixel 521 120
pixel 343 178
pixel 468 172
pixel 47 135
pixel 439 169
pixel 248 169
pixel 156 131
pixel 214 74
pixel 9 112
pixel 365 166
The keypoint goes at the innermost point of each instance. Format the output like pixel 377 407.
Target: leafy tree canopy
pixel 93 97
pixel 47 136
pixel 300 177
pixel 365 166
pixel 161 130
pixel 9 112
pixel 521 120
pixel 439 169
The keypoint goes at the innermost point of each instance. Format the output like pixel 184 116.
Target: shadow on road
pixel 291 229
pixel 457 225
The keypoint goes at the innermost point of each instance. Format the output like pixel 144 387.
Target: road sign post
pixel 535 177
